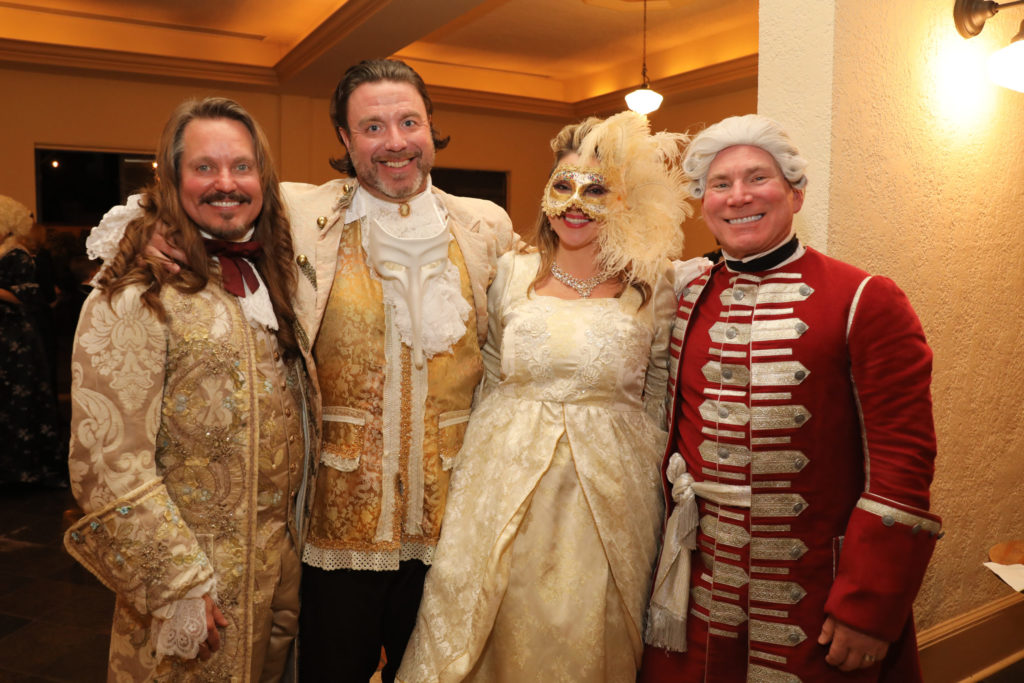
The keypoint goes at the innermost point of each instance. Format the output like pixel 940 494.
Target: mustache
pixel 218 196
pixel 398 157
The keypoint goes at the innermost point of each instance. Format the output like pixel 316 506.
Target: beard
pixel 369 175
pixel 230 230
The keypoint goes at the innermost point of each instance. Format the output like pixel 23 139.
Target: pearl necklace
pixel 582 287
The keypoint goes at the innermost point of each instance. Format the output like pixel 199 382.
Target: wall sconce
pixel 1005 67
pixel 643 100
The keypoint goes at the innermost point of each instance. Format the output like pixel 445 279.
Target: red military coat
pixel 809 383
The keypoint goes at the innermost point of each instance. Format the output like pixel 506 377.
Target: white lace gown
pixel 555 506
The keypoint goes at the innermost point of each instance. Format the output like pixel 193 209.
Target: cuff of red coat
pixel 881 565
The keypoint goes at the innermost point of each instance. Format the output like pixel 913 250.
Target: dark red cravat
pixel 235 271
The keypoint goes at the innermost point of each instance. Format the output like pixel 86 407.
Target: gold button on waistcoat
pixel 321 222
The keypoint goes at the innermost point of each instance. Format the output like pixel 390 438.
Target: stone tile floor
pixel 54 616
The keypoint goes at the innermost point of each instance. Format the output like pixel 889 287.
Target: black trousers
pixel 347 615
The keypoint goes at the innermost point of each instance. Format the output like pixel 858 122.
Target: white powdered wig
pixel 754 130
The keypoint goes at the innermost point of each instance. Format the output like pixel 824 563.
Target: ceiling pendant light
pixel 643 100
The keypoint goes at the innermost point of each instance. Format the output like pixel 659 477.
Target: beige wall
pixel 67 111
pixel 924 186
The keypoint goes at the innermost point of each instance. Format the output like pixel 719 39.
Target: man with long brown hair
pixel 190 416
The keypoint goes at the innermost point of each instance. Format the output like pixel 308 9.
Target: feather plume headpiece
pixel 646 201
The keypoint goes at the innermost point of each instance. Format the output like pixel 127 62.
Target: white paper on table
pixel 1012 574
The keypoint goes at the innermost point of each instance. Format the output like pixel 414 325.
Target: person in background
pixel 32 451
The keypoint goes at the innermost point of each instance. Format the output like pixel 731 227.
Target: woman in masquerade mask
pixel 555 507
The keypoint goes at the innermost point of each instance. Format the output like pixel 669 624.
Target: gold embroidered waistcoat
pixel 390 430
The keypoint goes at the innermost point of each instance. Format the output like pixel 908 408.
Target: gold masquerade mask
pixel 574 187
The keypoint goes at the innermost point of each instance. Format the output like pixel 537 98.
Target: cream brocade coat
pixel 187 456
pixel 545 560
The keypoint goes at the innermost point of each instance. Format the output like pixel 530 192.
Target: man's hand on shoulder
pixel 165 252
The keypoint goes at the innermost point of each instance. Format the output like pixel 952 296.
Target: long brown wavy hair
pixel 161 206
pixel 568 141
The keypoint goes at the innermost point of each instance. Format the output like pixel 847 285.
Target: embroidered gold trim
pixel 723 633
pixel 771 528
pixel 759 654
pixel 729 514
pixel 771 484
pixel 730 333
pixel 763 353
pixel 778 592
pixel 769 440
pixel 724 453
pixel 779 462
pixel 887 512
pixel 777 549
pixel 783 293
pixel 740 295
pixel 762 674
pixel 765 612
pixel 779 374
pixel 730 575
pixel 776 329
pixel 776 634
pixel 725 412
pixel 721 612
pixel 723 532
pixel 306 268
pixel 777 505
pixel 718 373
pixel 723 393
pixel 715 474
pixel 341 463
pixel 764 418
pixel 772 396
pixel 781 571
pixel 724 433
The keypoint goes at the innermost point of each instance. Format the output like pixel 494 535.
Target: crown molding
pixel 326 36
pixel 105 62
pixel 699 82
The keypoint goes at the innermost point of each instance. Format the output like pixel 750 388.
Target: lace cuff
pixel 183 631
pixel 104 238
pixel 179 628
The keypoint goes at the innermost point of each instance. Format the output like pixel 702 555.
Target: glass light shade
pixel 1006 67
pixel 643 100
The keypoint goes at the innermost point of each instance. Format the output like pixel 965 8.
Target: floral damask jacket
pixel 188 455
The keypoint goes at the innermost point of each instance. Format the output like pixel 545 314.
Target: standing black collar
pixel 766 262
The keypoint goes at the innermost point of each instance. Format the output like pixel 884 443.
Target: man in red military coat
pixel 802 445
